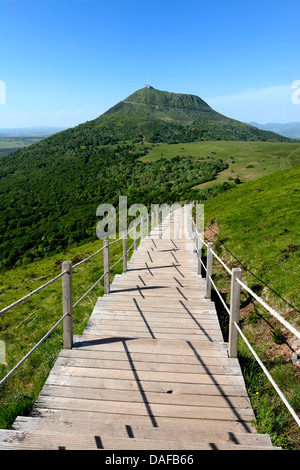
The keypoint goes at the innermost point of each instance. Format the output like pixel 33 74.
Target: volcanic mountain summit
pixel 161 116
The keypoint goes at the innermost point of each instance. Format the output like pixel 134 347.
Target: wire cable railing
pixel 26 297
pixel 67 287
pixel 88 291
pixel 88 258
pixel 66 276
pixel 234 309
pixel 271 310
pixel 4 379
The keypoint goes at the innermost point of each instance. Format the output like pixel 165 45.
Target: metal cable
pixel 221 262
pixel 116 262
pixel 217 291
pixel 283 398
pixel 130 248
pixel 26 297
pixel 271 310
pixel 86 259
pixel 84 295
pixel 32 350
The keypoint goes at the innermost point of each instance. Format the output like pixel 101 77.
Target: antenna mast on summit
pixel 148 84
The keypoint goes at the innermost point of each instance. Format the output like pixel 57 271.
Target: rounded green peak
pixel 151 96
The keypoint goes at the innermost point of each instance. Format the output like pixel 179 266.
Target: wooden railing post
pixel 142 227
pixel 234 311
pixel 125 253
pixel 194 236
pixel 134 236
pixel 208 270
pixel 199 254
pixel 147 225
pixel 106 266
pixel 67 292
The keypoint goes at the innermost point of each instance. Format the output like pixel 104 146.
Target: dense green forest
pixel 49 201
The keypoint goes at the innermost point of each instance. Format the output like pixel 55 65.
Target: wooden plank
pixel 117 329
pixel 156 316
pixel 143 345
pixel 230 390
pixel 55 440
pixel 154 345
pixel 165 318
pixel 186 378
pixel 146 365
pixel 155 410
pixel 152 294
pixel 156 333
pixel 166 322
pixel 174 310
pixel 141 432
pixel 153 357
pixel 161 275
pixel 181 308
pixel 87 417
pixel 171 280
pixel 178 304
pixel 150 333
pixel 155 287
pixel 151 397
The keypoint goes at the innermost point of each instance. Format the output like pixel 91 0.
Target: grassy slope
pixel 167 106
pixel 264 157
pixel 258 229
pixel 260 223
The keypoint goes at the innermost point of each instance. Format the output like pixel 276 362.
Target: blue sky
pixel 64 62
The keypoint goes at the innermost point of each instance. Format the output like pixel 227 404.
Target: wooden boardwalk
pixel 151 370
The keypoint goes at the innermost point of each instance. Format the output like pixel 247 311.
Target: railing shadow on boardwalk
pixel 124 341
pixel 225 396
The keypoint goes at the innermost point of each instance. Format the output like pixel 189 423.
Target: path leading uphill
pixel 151 370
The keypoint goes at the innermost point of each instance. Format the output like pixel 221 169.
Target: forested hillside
pixel 49 200
pixel 49 191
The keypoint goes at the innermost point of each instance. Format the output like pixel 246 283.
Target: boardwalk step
pixel 30 424
pixel 62 441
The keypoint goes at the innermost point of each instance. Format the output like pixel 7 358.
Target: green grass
pixel 24 325
pixel 256 227
pixel 247 160
pixel 259 223
pixel 272 417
